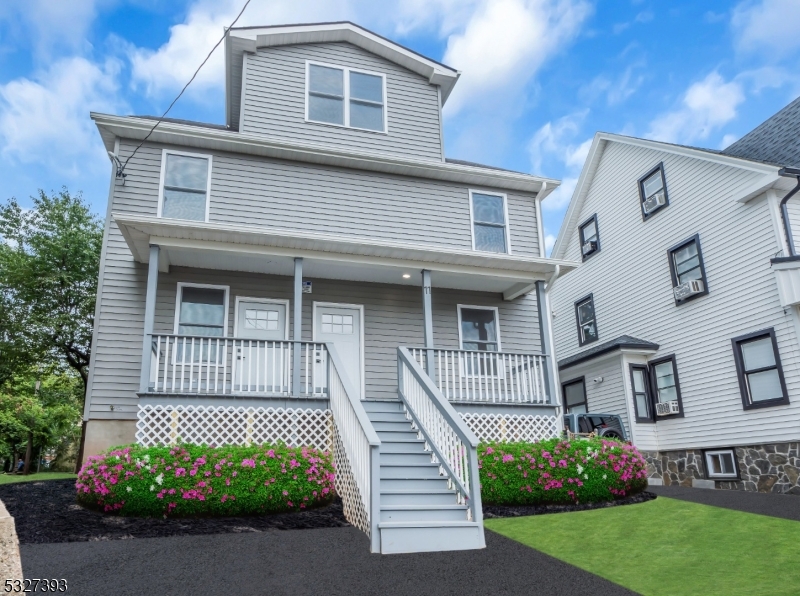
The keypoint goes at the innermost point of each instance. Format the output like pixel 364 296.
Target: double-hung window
pixel 585 317
pixel 653 191
pixel 687 270
pixel 667 390
pixel 202 310
pixel 345 97
pixel 185 186
pixel 758 365
pixel 575 396
pixel 589 237
pixel 489 222
pixel 642 400
pixel 478 329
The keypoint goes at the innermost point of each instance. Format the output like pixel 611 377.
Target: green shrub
pixel 559 471
pixel 195 480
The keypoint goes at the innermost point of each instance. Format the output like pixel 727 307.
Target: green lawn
pixel 9 478
pixel 670 547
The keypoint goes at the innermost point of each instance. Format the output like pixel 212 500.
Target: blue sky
pixel 540 77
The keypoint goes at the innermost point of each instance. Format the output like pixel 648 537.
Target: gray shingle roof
pixel 622 342
pixel 776 140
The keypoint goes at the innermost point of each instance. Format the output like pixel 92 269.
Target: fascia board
pixel 237 142
pixel 138 229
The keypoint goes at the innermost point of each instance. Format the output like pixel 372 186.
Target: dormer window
pixel 653 191
pixel 345 97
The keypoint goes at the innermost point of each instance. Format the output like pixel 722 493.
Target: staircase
pixel 418 512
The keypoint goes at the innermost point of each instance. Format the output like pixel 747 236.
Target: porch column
pixel 546 332
pixel 149 318
pixel 297 334
pixel 428 317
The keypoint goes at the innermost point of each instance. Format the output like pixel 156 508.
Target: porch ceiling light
pixel 406 276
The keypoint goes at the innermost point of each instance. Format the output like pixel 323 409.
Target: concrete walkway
pixel 773 504
pixel 303 562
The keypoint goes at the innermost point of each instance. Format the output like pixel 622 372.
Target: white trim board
pixel 360 308
pixel 239 299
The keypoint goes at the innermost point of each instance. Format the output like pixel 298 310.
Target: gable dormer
pixel 337 85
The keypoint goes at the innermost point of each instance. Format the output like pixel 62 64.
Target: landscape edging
pixel 10 562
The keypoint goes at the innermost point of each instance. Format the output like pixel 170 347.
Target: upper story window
pixel 653 191
pixel 185 186
pixel 477 328
pixel 758 366
pixel 489 222
pixel 587 325
pixel 589 237
pixel 346 97
pixel 687 270
pixel 667 389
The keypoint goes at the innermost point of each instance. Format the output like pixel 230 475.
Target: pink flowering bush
pixel 195 480
pixel 559 471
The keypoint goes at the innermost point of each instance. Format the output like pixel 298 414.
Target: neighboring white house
pixel 315 270
pixel 683 318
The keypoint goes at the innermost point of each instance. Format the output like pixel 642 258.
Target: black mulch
pixel 490 511
pixel 46 512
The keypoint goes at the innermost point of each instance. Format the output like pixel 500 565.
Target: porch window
pixel 478 329
pixel 489 222
pixel 587 325
pixel 185 186
pixel 346 97
pixel 202 311
pixel 575 396
pixel 758 366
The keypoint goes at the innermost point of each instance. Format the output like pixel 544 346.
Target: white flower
pixel 586 476
pixel 580 469
pixel 605 476
pixel 152 487
pixel 128 488
pixel 160 478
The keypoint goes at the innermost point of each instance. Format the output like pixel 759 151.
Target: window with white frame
pixel 202 310
pixel 758 366
pixel 489 222
pixel 185 186
pixel 585 317
pixel 346 97
pixel 721 463
pixel 478 329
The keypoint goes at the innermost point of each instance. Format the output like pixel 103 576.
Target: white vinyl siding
pixel 274 104
pixel 633 284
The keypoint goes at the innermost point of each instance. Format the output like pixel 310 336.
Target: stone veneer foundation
pixel 774 467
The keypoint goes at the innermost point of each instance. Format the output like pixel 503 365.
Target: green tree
pixel 49 261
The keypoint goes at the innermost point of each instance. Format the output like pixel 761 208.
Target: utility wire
pixel 121 169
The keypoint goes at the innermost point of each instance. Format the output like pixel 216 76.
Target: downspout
pixel 789 173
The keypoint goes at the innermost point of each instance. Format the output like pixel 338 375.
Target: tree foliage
pixel 49 260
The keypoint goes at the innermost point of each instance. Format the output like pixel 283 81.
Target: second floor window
pixel 758 366
pixel 687 270
pixel 346 98
pixel 186 181
pixel 587 325
pixel 489 222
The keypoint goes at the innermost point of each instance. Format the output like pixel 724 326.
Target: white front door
pixel 340 324
pixel 262 352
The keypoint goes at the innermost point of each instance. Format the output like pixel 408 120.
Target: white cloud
pixel 549 241
pixel 504 44
pixel 616 91
pixel 706 106
pixel 768 27
pixel 553 141
pixel 45 119
pixel 560 197
pixel 727 140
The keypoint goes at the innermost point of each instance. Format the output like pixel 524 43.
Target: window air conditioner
pixel 654 202
pixel 667 408
pixel 688 288
pixel 589 247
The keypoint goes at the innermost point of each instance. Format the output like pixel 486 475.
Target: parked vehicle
pixel 604 425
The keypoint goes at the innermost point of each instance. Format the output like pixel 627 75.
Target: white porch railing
pixel 453 444
pixel 493 377
pixel 356 453
pixel 182 364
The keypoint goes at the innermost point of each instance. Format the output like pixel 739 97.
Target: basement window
pixel 721 464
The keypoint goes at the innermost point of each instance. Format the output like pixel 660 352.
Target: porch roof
pixel 269 250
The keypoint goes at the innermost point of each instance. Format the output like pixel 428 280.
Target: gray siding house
pixel 683 317
pixel 316 271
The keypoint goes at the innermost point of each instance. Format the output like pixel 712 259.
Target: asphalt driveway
pixel 326 561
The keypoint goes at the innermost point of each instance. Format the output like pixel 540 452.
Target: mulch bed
pixel 490 511
pixel 47 512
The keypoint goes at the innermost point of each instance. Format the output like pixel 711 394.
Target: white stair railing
pixel 453 444
pixel 356 452
pixel 493 377
pixel 186 364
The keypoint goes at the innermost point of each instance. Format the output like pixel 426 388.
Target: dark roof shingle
pixel 776 140
pixel 622 342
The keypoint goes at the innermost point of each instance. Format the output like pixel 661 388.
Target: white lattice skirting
pixel 230 425
pixel 511 427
